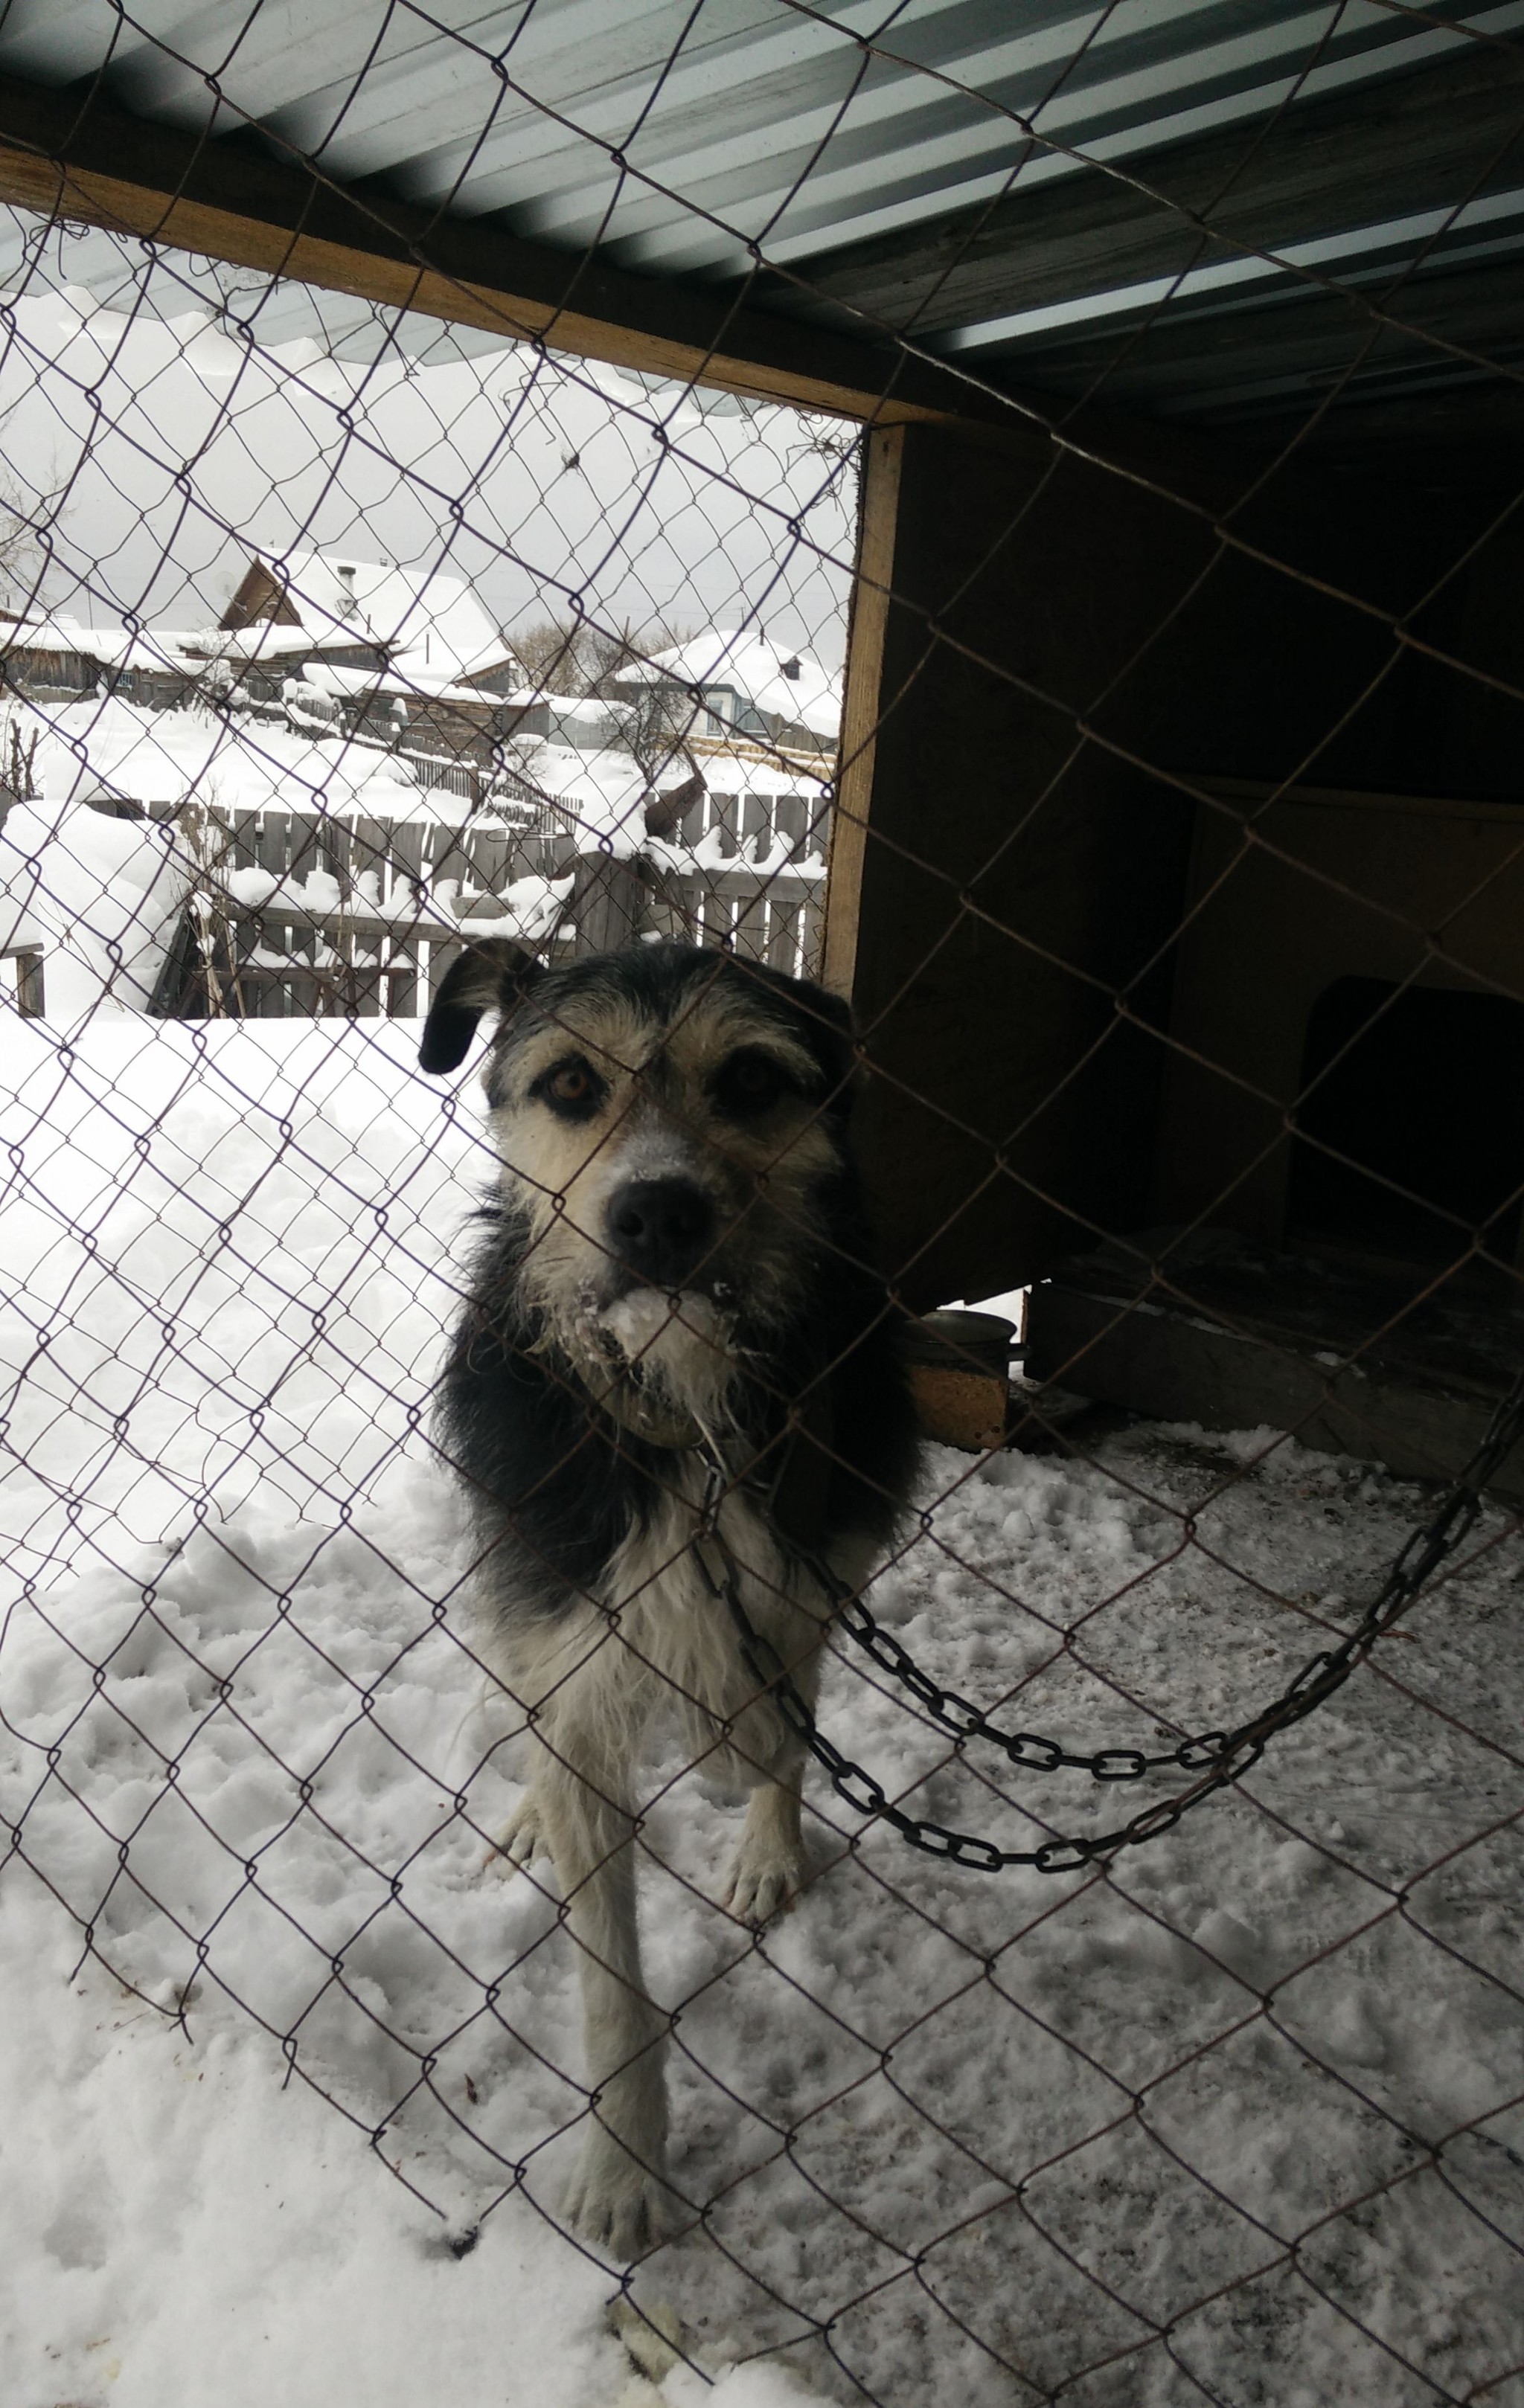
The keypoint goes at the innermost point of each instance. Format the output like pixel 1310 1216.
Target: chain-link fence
pixel 1143 386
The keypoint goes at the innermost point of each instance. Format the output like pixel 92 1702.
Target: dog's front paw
pixel 765 1878
pixel 521 1839
pixel 618 2205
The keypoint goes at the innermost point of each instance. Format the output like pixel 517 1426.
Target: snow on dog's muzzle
pixel 669 1350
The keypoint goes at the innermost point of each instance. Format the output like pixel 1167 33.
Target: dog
pixel 675 1366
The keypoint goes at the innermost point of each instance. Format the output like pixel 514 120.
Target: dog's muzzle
pixel 660 1230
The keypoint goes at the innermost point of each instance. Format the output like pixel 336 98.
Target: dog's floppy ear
pixel 831 1030
pixel 828 1027
pixel 490 976
pixel 833 1036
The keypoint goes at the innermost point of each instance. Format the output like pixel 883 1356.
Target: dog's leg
pixel 771 1864
pixel 618 2196
pixel 521 1839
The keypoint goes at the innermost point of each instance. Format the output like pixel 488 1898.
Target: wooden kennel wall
pixel 1085 983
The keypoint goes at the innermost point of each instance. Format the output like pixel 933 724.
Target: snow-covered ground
pixel 1238 2121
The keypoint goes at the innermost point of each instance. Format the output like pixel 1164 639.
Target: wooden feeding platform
pixel 1388 1362
pixel 959 1375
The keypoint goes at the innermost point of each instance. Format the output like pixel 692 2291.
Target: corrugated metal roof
pixel 696 141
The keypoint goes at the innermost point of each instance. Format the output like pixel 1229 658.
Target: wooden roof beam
pixel 71 153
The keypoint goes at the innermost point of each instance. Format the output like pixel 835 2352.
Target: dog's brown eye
pixel 572 1086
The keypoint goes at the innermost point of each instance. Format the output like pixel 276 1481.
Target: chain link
pixel 1218 1756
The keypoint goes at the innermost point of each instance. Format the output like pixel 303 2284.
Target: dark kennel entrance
pixel 1411 1133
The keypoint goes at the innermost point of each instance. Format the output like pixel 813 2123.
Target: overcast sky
pixel 171 449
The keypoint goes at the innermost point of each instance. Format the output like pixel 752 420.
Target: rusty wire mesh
pixel 1232 2116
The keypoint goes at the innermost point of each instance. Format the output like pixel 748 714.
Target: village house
pixel 728 684
pixel 52 657
pixel 402 654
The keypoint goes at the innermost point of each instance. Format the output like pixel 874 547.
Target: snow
pixel 185 2223
pixel 105 746
pixel 771 866
pixel 989 2133
pixel 603 793
pixel 734 773
pixel 101 896
pixel 744 660
pixel 532 910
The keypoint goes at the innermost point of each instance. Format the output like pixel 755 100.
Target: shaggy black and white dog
pixel 678 1273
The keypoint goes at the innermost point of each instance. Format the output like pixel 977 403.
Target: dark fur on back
pixel 558 1484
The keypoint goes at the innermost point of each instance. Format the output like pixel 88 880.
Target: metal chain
pixel 1219 1756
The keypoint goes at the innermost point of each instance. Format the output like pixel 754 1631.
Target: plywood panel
pixel 1067 659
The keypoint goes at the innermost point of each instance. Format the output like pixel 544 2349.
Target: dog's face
pixel 669 1121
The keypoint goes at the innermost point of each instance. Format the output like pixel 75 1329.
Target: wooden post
pixel 607 903
pixel 1014 874
pixel 28 961
pixel 791 823
pixel 88 161
pixel 869 618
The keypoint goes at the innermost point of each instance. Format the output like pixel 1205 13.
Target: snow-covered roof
pixel 754 668
pixel 263 641
pixel 591 709
pixel 114 647
pixel 340 677
pixel 430 623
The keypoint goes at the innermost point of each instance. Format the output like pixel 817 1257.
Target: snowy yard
pixel 1237 2122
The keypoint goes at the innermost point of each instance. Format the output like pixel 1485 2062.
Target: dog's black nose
pixel 662 1228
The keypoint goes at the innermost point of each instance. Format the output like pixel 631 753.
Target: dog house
pixel 1178 868
pixel 1219 1014
pixel 1305 977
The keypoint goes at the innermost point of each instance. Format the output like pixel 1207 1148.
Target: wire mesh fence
pixel 436 1523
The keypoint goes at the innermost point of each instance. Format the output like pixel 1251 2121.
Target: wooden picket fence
pixel 366 912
